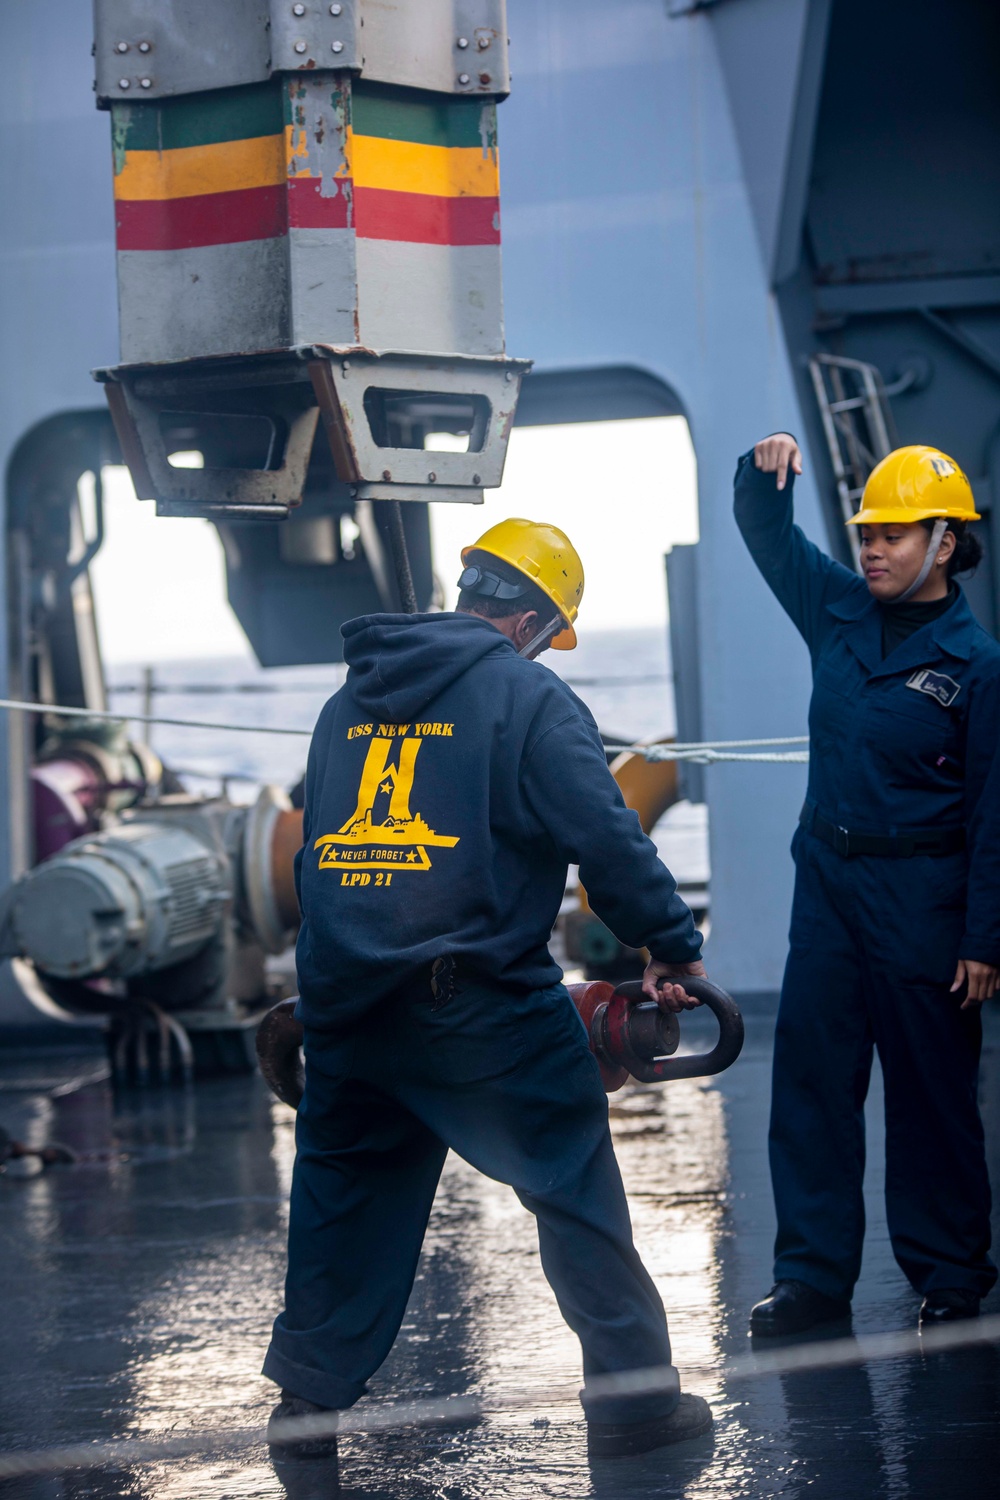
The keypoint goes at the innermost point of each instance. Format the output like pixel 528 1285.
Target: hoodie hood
pixel 397 664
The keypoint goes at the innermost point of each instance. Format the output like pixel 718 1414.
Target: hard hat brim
pixel 565 640
pixel 880 516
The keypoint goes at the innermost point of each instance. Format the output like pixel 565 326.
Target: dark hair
pixel 471 603
pixel 968 553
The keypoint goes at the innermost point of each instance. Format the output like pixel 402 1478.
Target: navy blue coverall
pixel 449 784
pixel 899 745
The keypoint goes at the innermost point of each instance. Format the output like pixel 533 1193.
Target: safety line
pixel 788 739
pixel 714 757
pixel 821 1355
pixel 706 752
pixel 194 689
pixel 63 711
pixel 710 752
pixel 219 689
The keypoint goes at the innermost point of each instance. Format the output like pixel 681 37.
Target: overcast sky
pixel 623 492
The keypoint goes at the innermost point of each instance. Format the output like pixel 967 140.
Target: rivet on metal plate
pixel 300 46
pixel 121 47
pixel 298 10
pixel 123 83
pixel 484 78
pixel 335 10
pixel 463 77
pixel 463 41
pixel 483 43
pixel 146 83
pixel 432 477
pixel 337 46
pixel 476 479
pixel 145 47
pixel 386 473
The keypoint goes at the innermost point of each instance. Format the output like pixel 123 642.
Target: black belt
pixel 895 846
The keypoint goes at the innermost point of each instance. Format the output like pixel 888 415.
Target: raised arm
pixel 802 578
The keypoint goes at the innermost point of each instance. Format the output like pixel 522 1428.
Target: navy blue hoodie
pixel 450 783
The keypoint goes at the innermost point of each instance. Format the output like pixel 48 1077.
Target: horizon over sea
pixel 623 676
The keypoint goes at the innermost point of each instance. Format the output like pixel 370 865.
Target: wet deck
pixel 140 1285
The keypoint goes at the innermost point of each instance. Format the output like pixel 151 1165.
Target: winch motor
pixel 170 881
pixel 135 899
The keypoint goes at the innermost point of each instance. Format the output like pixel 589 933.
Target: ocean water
pixel 623 676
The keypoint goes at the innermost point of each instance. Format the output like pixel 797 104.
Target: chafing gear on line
pixel 547 558
pixel 897 877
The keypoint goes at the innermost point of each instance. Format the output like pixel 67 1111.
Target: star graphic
pixel 411 858
pixel 386 786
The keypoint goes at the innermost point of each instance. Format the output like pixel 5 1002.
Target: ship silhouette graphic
pixel 399 838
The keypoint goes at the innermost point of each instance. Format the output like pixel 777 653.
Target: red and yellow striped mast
pixel 308 221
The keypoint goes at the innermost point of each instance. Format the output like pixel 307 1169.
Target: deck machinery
pixel 757 214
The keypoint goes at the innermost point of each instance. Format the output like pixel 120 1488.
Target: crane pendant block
pixel 307 221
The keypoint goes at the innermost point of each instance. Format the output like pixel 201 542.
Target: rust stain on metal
pixel 338 435
pixel 346 351
pixel 129 441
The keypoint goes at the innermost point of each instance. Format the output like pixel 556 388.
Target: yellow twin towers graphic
pixel 396 840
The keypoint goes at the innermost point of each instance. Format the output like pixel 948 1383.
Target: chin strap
pixel 538 641
pixel 940 527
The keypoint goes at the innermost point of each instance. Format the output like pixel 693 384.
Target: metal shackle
pixel 628 1034
pixel 633 1032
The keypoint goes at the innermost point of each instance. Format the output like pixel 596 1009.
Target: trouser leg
pixel 604 1292
pixel 365 1175
pixel 511 1086
pixel 937 1190
pixel 822 1066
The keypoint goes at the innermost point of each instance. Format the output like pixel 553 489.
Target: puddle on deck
pixel 140 1287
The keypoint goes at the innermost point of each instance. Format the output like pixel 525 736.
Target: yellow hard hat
pixel 547 557
pixel 915 484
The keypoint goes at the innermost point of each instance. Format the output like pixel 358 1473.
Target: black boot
pixel 287 1447
pixel 792 1307
pixel 948 1305
pixel 690 1418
